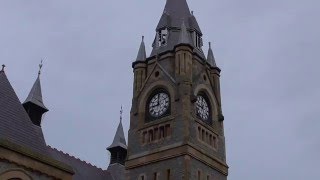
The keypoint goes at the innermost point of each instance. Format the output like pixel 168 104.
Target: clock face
pixel 159 104
pixel 202 108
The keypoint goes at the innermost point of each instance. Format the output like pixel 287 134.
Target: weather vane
pixel 121 111
pixel 40 67
pixel 3 66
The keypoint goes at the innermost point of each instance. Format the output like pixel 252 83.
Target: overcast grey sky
pixel 269 53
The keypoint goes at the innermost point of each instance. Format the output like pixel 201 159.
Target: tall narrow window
pixel 150 135
pixel 208 177
pixel 144 137
pixel 167 130
pixel 168 174
pixel 214 142
pixel 162 37
pixel 199 175
pixel 203 135
pixel 161 132
pixel 155 176
pixel 142 177
pixel 156 133
pixel 207 137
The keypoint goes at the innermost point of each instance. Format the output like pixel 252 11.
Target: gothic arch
pixel 211 97
pixel 161 84
pixel 15 174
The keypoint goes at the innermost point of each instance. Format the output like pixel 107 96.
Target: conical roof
pixel 210 58
pixel 119 139
pixel 16 126
pixel 142 56
pixel 35 95
pixel 174 13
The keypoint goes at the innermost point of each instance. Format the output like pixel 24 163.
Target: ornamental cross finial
pixel 40 67
pixel 121 111
pixel 3 66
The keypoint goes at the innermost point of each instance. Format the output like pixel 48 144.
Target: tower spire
pixel 211 60
pixel 34 103
pixel 142 51
pixel 176 13
pixel 118 148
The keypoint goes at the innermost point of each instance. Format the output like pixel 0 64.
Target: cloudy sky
pixel 269 53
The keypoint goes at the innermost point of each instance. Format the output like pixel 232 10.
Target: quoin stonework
pixel 176 121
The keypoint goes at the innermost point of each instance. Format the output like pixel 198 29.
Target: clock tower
pixel 176 122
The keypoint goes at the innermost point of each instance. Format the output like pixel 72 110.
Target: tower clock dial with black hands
pixel 159 104
pixel 202 108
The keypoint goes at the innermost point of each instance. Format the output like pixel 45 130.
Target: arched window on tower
pixel 162 37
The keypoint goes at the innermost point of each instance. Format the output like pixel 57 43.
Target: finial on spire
pixel 40 67
pixel 142 38
pixel 209 44
pixel 3 66
pixel 121 111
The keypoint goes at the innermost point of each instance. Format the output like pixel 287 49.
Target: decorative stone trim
pixel 207 138
pixel 156 133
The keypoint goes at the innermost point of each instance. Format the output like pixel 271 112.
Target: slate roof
pixel 176 12
pixel 82 169
pixel 16 125
pixel 119 139
pixel 210 58
pixel 142 51
pixel 35 95
pixel 117 171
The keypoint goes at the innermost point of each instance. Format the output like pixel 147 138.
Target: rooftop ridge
pixel 76 158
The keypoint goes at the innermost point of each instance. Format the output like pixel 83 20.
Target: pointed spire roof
pixel 174 13
pixel 142 56
pixel 119 139
pixel 211 60
pixel 184 37
pixel 35 95
pixel 16 126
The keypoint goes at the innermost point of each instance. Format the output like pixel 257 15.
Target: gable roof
pixel 16 125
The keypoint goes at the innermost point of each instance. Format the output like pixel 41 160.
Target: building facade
pixel 176 121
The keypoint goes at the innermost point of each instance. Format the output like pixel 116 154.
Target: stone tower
pixel 176 124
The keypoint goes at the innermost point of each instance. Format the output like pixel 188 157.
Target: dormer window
pixel 162 37
pixel 197 39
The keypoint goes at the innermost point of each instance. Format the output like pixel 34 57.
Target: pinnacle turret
pixel 210 58
pixel 142 56
pixel 34 103
pixel 118 148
